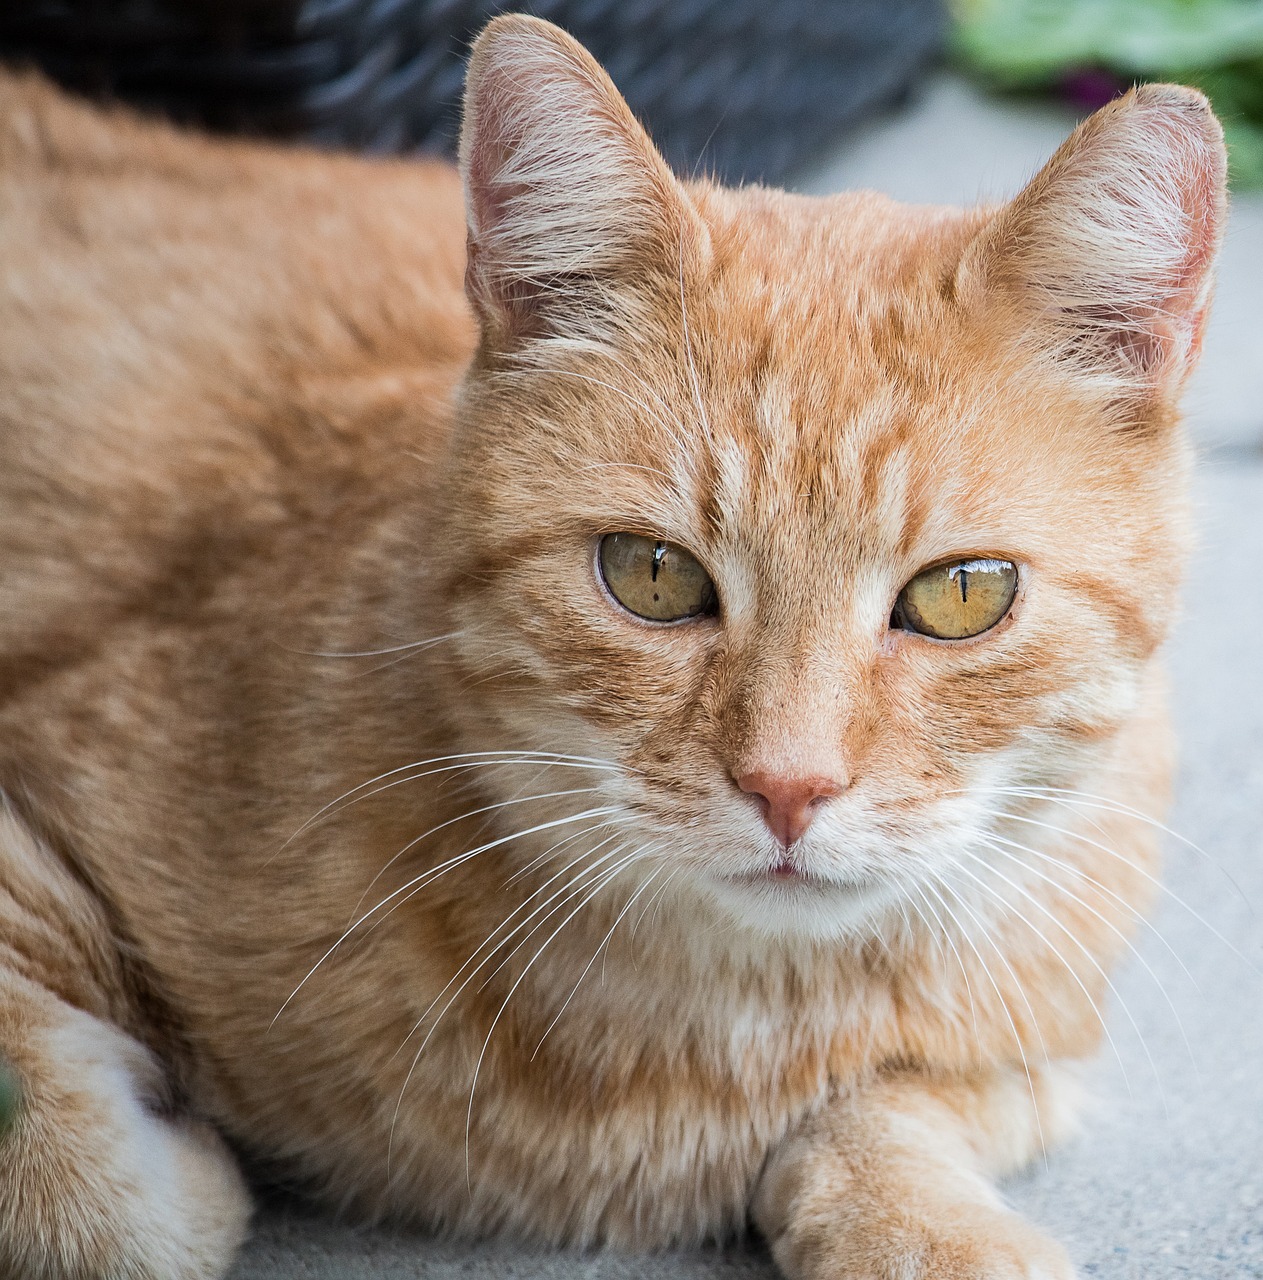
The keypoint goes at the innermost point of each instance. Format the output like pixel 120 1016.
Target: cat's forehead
pixel 822 319
pixel 823 257
pixel 824 340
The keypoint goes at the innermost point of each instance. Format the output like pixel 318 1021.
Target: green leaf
pixel 1215 45
pixel 1027 41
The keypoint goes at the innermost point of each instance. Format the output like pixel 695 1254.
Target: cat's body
pixel 238 481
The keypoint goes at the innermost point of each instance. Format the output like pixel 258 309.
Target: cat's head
pixel 828 522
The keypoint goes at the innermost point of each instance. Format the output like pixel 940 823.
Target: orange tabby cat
pixel 590 765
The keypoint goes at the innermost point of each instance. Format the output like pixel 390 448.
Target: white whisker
pixel 606 879
pixel 995 986
pixel 1074 897
pixel 662 888
pixel 600 947
pixel 566 893
pixel 463 760
pixel 418 882
pixel 964 972
pixel 1102 889
pixel 1152 879
pixel 472 813
pixel 487 943
pixel 1069 968
pixel 376 653
pixel 1070 798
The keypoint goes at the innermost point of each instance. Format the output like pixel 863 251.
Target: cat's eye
pixel 957 600
pixel 654 579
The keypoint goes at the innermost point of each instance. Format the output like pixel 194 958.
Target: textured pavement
pixel 1168 1180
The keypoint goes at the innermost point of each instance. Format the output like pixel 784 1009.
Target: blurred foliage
pixel 1087 50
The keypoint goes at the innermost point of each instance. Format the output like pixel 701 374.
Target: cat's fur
pixel 242 441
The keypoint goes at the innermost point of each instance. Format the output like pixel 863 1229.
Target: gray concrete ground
pixel 1168 1179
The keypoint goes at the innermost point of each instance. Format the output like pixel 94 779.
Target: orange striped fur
pixel 349 823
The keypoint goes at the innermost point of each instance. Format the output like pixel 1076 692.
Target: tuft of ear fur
pixel 1112 246
pixel 565 194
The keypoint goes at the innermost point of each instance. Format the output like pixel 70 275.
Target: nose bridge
pixel 787 717
pixel 787 750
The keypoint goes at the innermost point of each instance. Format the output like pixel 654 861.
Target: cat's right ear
pixel 568 203
pixel 1109 253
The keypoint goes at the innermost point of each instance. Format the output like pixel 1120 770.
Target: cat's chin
pixel 800 906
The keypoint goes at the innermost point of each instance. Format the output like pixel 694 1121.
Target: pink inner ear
pixel 1205 209
pixel 1115 240
pixel 1170 333
pixel 489 148
pixel 539 113
pixel 498 129
pixel 567 198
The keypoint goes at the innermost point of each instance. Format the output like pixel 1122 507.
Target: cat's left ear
pixel 567 200
pixel 1109 252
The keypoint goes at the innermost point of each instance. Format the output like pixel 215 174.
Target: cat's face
pixel 815 402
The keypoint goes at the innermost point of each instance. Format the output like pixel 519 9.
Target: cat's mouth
pixel 790 873
pixel 794 874
pixel 787 871
pixel 791 896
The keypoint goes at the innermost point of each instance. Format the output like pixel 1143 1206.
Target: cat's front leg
pixel 894 1182
pixel 98 1181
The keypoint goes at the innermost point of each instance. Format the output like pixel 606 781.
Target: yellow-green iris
pixel 957 600
pixel 654 579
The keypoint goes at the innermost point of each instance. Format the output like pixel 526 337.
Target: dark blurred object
pixel 745 89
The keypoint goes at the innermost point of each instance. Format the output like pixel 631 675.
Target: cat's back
pixel 202 341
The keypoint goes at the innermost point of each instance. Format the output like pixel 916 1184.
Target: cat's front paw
pixel 97 1181
pixel 970 1243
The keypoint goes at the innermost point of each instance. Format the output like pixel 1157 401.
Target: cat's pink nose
pixel 788 804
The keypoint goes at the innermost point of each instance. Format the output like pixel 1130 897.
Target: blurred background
pixel 928 100
pixel 745 88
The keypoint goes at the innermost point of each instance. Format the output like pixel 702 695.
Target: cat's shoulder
pixel 207 333
pixel 157 276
